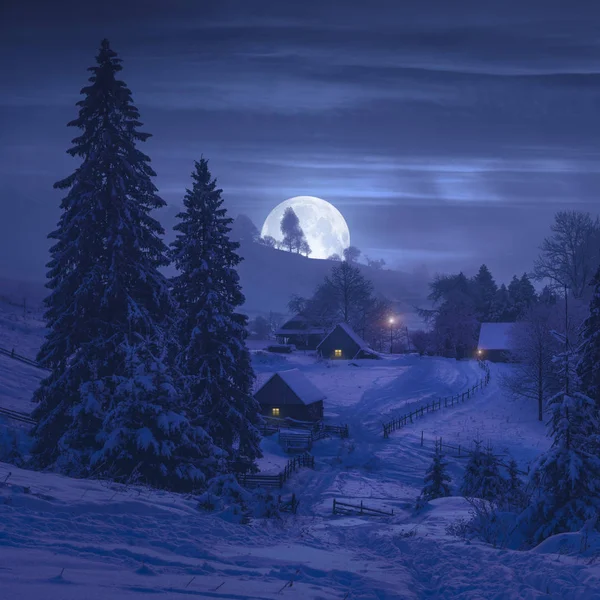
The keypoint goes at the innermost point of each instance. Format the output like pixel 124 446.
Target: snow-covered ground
pixel 69 539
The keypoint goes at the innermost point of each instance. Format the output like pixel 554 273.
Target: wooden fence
pixel 17 416
pixel 291 442
pixel 273 425
pixel 343 508
pixel 290 505
pixel 277 480
pixel 435 405
pixel 24 359
pixel 464 452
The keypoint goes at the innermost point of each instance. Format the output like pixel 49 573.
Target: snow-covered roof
pixel 495 336
pixel 299 324
pixel 350 333
pixel 363 345
pixel 307 331
pixel 301 386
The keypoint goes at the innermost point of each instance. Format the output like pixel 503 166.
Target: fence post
pixel 421 438
pixel 281 480
pixel 334 506
pixel 459 449
pixel 361 507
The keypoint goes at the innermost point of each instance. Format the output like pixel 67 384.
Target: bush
pixel 236 504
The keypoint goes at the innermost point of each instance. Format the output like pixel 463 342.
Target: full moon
pixel 324 226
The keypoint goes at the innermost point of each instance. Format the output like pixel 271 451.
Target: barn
pixel 494 341
pixel 289 394
pixel 300 332
pixel 342 342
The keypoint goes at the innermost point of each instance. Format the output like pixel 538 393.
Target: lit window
pixel 275 412
pixel 337 353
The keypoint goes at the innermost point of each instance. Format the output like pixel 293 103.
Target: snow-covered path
pixel 114 542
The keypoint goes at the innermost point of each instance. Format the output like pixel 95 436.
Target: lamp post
pixel 391 332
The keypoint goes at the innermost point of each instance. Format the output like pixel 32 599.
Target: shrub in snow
pixel 436 479
pixel 145 437
pixel 566 478
pixel 491 525
pixel 104 271
pixel 236 504
pixel 214 359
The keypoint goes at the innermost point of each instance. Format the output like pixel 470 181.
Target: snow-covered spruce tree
pixel 214 359
pixel 103 273
pixel 482 478
pixel 567 476
pixel 471 484
pixel 493 484
pixel 588 367
pixel 437 478
pixel 145 438
pixel 514 496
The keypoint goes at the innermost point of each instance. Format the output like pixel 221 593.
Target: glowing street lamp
pixel 391 320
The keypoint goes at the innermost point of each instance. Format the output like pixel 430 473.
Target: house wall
pixel 300 412
pixel 302 342
pixel 339 340
pixel 494 355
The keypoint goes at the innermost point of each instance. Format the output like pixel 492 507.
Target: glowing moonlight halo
pixel 324 226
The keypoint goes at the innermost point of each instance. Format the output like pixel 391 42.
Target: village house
pixel 300 332
pixel 342 342
pixel 495 341
pixel 290 395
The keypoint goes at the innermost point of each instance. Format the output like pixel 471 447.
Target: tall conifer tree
pixel 214 358
pixel 107 291
pixel 588 368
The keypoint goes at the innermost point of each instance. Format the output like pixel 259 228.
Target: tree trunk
pixel 540 389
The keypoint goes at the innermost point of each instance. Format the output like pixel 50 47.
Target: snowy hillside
pixel 270 277
pixel 69 539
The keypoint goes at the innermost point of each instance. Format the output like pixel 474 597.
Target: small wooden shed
pixel 289 394
pixel 344 343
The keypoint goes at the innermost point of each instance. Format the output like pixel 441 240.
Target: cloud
pixel 444 135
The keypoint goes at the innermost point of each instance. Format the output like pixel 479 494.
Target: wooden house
pixel 495 341
pixel 342 342
pixel 300 332
pixel 289 394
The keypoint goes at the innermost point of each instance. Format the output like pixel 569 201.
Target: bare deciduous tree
pixel 533 346
pixel 421 341
pixel 571 255
pixel 351 254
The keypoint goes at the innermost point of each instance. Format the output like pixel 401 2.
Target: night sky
pixel 447 133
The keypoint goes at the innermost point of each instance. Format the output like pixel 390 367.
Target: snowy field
pixel 71 539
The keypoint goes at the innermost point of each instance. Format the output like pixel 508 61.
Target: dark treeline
pixel 461 304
